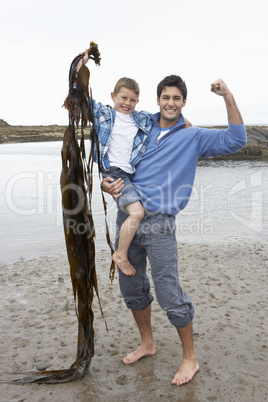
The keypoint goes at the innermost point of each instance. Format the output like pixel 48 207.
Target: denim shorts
pixel 155 239
pixel 129 194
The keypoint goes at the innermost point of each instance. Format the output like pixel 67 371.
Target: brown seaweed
pixel 76 187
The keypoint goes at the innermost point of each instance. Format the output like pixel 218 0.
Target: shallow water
pixel 229 202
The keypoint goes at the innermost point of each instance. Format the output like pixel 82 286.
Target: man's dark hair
pixel 172 81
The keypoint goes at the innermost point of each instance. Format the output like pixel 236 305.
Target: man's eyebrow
pixel 169 96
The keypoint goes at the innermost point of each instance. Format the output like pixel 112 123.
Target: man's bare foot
pixel 133 357
pixel 186 372
pixel 124 265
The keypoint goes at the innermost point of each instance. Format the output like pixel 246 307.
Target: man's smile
pixel 168 110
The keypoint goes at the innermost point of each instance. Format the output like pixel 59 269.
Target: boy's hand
pixel 80 63
pixel 86 58
pixel 220 88
pixel 188 123
pixel 112 187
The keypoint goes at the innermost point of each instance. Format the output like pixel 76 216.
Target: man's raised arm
pixel 220 88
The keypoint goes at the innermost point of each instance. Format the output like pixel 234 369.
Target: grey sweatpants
pixel 155 239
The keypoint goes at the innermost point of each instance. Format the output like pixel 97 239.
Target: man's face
pixel 170 102
pixel 125 101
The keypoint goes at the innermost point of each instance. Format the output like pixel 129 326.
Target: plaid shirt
pixel 104 120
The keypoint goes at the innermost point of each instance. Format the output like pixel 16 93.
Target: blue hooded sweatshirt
pixel 165 175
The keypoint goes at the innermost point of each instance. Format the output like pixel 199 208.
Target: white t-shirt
pixel 163 132
pixel 122 136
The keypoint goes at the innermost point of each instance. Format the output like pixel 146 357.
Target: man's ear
pixel 157 100
pixel 184 102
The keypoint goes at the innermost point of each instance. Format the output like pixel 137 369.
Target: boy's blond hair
pixel 127 83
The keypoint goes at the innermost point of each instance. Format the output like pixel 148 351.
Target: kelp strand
pixel 76 188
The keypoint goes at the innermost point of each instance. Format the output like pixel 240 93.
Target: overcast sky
pixel 200 40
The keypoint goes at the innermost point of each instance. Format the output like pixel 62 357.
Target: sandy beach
pixel 228 285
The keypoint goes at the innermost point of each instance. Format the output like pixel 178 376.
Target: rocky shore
pixel 18 134
pixel 256 148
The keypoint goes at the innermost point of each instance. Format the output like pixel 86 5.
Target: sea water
pixel 229 202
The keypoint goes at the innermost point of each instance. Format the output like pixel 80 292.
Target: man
pixel 164 178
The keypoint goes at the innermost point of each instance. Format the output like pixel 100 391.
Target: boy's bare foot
pixel 124 265
pixel 133 357
pixel 186 372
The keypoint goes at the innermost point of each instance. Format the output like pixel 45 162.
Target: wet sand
pixel 228 286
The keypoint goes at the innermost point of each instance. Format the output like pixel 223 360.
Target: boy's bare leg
pixel 127 232
pixel 147 347
pixel 189 365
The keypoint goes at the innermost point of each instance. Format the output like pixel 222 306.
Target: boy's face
pixel 125 100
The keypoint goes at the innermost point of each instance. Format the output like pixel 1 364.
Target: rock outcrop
pixel 3 123
pixel 18 134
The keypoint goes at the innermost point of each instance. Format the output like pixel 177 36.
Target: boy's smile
pixel 125 100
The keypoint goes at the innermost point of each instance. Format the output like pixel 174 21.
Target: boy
pixel 123 135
